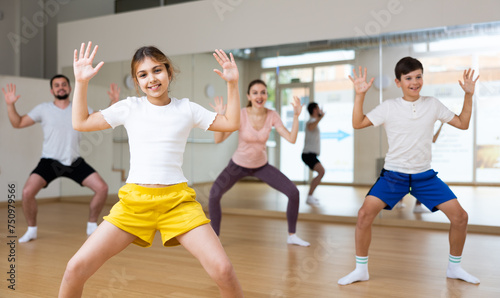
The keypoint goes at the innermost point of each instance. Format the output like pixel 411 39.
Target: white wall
pixel 201 26
pixel 9 59
pixel 21 148
pixel 28 32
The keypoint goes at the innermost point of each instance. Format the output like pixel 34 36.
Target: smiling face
pixel 60 88
pixel 411 84
pixel 153 79
pixel 257 95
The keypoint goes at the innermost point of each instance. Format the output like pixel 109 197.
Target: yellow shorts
pixel 141 211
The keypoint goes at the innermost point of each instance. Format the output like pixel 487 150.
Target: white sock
pixel 457 272
pixel 294 239
pixel 30 234
pixel 359 274
pixel 312 200
pixel 91 227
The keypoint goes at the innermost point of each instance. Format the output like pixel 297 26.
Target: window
pixel 452 153
pixel 473 155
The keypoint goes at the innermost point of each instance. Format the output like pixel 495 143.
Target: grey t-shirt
pixel 312 139
pixel 60 141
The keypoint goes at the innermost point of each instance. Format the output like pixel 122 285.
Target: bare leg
pixel 30 208
pixel 105 242
pixel 31 188
pixel 318 167
pixel 366 214
pixel 204 244
pixel 458 232
pixel 458 225
pixel 95 182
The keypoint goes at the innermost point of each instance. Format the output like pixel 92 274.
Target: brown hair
pixel 254 82
pixel 155 54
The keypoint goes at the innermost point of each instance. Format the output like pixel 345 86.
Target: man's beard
pixel 62 97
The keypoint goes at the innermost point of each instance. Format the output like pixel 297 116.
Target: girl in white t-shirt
pixel 156 196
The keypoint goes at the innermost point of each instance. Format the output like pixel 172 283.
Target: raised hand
pixel 229 69
pixel 10 94
pixel 82 64
pixel 359 81
pixel 114 93
pixel 469 85
pixel 321 113
pixel 219 107
pixel 297 107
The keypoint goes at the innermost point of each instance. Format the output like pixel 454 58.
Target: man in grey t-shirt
pixel 60 154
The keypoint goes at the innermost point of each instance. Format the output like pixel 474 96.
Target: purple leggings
pixel 267 173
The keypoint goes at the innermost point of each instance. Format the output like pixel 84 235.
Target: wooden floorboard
pixel 341 204
pixel 403 262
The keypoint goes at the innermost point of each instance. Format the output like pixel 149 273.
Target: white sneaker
pixel 312 200
pixel 419 209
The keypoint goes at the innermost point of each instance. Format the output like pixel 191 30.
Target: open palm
pixel 114 93
pixel 82 64
pixel 219 107
pixel 10 94
pixel 297 107
pixel 359 81
pixel 229 69
pixel 469 84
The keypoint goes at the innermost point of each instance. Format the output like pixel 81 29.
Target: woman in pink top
pixel 250 158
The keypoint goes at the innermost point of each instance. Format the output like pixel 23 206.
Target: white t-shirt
pixel 409 127
pixel 312 139
pixel 157 136
pixel 60 141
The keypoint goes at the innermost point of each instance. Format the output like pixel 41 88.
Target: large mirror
pixel 317 71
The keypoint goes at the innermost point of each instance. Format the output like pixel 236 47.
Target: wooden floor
pixel 340 204
pixel 404 262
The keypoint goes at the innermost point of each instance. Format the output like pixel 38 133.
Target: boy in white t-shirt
pixel 409 123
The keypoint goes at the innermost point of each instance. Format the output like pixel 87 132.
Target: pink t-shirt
pixel 251 151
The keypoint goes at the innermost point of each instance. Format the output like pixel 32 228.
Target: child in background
pixel 312 148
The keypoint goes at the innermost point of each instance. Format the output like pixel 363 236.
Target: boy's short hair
pixel 311 107
pixel 407 65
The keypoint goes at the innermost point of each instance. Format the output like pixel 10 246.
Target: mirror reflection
pixel 317 71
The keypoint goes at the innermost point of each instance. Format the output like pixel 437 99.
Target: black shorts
pixel 310 159
pixel 50 169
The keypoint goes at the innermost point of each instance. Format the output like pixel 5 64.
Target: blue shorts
pixel 426 187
